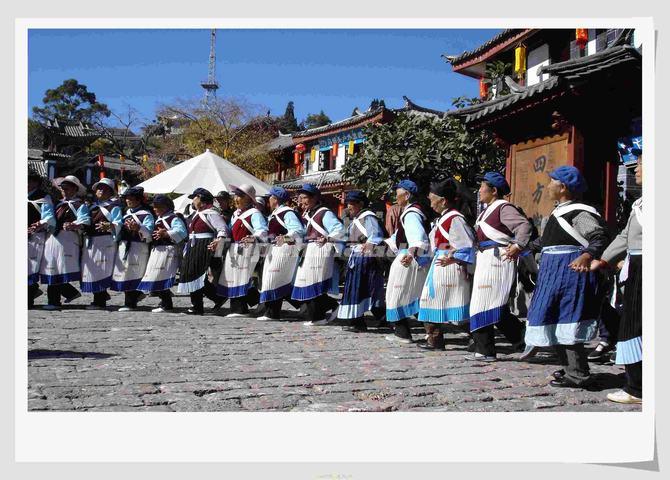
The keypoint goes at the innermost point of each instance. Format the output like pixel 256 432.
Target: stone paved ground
pixel 110 361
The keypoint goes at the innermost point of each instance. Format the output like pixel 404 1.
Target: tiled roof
pixel 71 129
pixel 319 179
pixel 569 72
pixel 38 166
pixel 498 39
pixel 351 121
pixel 411 107
pixel 280 142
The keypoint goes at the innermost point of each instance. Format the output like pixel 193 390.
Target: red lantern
pixel 300 147
pixel 581 37
pixel 335 147
pixel 483 88
pixel 296 158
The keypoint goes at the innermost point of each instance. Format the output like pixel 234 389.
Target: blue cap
pixel 309 189
pixel 204 194
pixel 279 192
pixel 133 192
pixel 571 177
pixel 356 196
pixel 497 180
pixel 408 185
pixel 161 199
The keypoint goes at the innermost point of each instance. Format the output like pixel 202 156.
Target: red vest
pixel 275 228
pixel 199 226
pixel 441 242
pixel 494 221
pixel 239 229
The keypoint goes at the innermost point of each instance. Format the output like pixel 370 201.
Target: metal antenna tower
pixel 211 85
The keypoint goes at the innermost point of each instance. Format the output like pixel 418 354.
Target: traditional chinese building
pixel 65 153
pixel 317 155
pixel 575 95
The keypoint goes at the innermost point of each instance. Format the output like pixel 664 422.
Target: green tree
pixel 70 101
pixel 314 120
pixel 423 148
pixel 288 123
pixel 35 134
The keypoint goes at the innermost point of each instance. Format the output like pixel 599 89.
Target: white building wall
pixel 536 59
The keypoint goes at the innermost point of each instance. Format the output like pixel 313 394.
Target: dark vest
pixel 65 214
pixel 239 231
pixel 554 234
pixel 128 236
pixel 312 233
pixel 275 228
pixel 494 221
pixel 401 236
pixel 442 243
pixel 96 217
pixel 165 223
pixel 33 214
pixel 197 225
pixel 355 235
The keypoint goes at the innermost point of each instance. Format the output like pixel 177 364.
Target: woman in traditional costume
pixel 364 277
pixel 133 250
pixel 285 233
pixel 410 267
pixel 62 250
pixel 41 219
pixel 446 294
pixel 166 249
pixel 249 230
pixel 502 234
pixel 99 250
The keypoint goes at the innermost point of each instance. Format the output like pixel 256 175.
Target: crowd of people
pixel 442 272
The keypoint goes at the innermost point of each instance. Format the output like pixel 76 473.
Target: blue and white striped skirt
pixel 97 263
pixel 491 288
pixel 564 309
pixel 404 287
pixel 363 286
pixel 445 297
pixel 35 252
pixel 161 269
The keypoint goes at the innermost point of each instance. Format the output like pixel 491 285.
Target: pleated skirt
pixel 629 346
pixel 195 265
pixel 238 268
pixel 491 288
pixel 130 264
pixel 445 297
pixel 35 251
pixel 97 263
pixel 314 277
pixel 403 288
pixel 279 270
pixel 161 269
pixel 363 286
pixel 60 261
pixel 565 308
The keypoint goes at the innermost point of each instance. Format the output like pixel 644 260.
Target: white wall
pixel 591 46
pixel 341 153
pixel 536 59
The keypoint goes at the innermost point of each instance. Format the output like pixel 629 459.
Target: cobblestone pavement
pixel 110 361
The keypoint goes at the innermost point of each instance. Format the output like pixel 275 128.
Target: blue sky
pixel 333 70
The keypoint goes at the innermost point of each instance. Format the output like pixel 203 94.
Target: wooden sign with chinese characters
pixel 529 167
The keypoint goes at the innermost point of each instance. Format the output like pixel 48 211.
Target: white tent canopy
pixel 207 170
pixel 180 203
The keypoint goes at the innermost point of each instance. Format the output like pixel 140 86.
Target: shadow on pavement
pixel 43 353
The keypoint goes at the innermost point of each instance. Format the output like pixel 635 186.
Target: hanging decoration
pixel 351 147
pixel 101 164
pixel 581 37
pixel 300 148
pixel 483 88
pixel 520 60
pixel 335 147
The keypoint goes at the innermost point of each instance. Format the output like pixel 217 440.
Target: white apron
pixel 235 278
pixel 314 276
pixel 403 289
pixel 130 265
pixel 60 261
pixel 161 269
pixel 491 288
pixel 97 263
pixel 445 296
pixel 279 271
pixel 36 243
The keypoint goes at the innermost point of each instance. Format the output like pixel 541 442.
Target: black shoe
pixel 355 328
pixel 428 346
pixel 565 382
pixel 601 352
pixel 558 374
pixel 195 311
